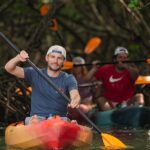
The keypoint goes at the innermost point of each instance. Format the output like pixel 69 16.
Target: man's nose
pixel 56 60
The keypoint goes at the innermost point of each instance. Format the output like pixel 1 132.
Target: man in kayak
pixel 118 82
pixel 45 101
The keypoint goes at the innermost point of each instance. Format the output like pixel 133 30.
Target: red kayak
pixel 48 134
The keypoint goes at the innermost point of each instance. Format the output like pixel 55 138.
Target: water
pixel 135 139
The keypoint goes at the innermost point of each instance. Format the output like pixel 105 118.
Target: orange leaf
pixel 44 9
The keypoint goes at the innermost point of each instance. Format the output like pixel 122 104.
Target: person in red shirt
pixel 118 82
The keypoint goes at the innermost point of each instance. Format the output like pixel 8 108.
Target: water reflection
pixel 148 140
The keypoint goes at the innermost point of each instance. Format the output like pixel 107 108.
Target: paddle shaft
pixel 49 82
pixel 104 63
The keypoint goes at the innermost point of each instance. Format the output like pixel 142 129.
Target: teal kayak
pixel 134 117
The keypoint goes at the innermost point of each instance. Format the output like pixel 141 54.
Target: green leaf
pixel 134 4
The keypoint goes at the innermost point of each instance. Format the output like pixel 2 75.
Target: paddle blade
pixel 143 80
pixel 148 60
pixel 112 142
pixel 67 65
pixel 92 45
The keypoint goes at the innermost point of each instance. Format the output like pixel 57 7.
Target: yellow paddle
pixel 109 144
pixel 108 140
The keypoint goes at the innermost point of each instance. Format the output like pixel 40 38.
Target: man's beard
pixel 57 69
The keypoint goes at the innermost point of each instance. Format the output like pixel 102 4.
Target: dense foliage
pixel 33 27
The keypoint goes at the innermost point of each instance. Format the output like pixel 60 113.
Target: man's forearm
pixel 11 64
pixel 134 72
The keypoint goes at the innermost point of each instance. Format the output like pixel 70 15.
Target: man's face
pixel 120 58
pixel 55 61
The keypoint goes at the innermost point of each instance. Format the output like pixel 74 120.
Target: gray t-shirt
pixel 45 100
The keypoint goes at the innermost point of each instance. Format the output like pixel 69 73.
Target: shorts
pixel 41 118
